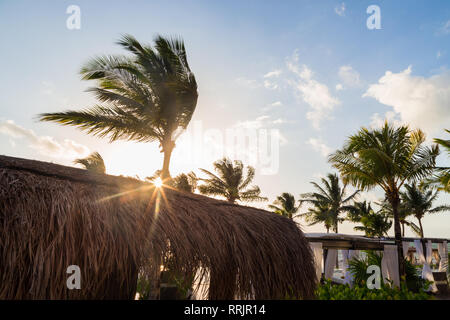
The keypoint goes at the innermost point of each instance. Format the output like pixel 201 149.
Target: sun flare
pixel 158 182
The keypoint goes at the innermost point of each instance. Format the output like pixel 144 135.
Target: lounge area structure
pixel 422 252
pixel 115 228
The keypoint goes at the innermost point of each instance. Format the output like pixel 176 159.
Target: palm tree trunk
pixel 167 150
pixel 395 201
pixel 403 229
pixel 421 228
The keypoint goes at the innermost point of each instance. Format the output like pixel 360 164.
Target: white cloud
pixel 272 74
pixel 445 28
pixel 349 76
pixel 44 144
pixel 339 87
pixel 277 104
pixel 377 121
pixel 315 94
pixel 279 121
pixel 419 101
pixel 260 122
pixel 270 82
pixel 319 146
pixel 340 10
pixel 270 85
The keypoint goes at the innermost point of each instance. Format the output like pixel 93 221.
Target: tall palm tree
pixel 320 214
pixel 94 162
pixel 419 202
pixel 285 205
pixel 231 182
pixel 374 224
pixel 332 196
pixel 148 96
pixel 386 157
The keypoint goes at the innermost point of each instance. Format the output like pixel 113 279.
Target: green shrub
pixel 358 268
pixel 329 291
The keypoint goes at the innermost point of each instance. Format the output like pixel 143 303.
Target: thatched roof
pixel 52 216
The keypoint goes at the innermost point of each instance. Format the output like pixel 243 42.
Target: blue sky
pixel 310 69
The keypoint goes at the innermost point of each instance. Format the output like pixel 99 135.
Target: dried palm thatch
pixel 53 216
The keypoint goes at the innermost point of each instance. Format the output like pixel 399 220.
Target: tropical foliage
pixel 285 205
pixel 148 96
pixel 318 214
pixel 419 202
pixel 231 182
pixel 387 157
pixel 94 162
pixel 441 177
pixel 331 196
pixel 330 291
pixel 358 268
pixel 374 224
pixel 185 182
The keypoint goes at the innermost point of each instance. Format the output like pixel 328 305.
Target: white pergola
pixel 326 245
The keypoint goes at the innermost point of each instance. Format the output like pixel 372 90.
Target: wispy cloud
pixel 315 94
pixel 445 28
pixel 45 145
pixel 377 121
pixel 272 74
pixel 270 79
pixel 248 83
pixel 340 9
pixel 319 146
pixel 270 85
pixel 276 104
pixel 264 121
pixel 349 77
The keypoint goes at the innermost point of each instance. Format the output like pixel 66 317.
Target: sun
pixel 158 182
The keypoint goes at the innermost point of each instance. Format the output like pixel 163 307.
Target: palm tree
pixel 147 97
pixel 374 224
pixel 285 205
pixel 332 196
pixel 94 162
pixel 321 214
pixel 358 210
pixel 386 157
pixel 419 202
pixel 403 214
pixel 441 178
pixel 230 182
pixel 185 182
